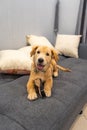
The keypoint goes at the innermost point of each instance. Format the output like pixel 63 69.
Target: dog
pixel 44 67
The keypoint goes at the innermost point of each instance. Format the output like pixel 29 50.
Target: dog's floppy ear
pixel 54 55
pixel 33 50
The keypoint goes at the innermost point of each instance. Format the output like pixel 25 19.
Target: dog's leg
pixel 37 84
pixel 55 72
pixel 48 86
pixel 55 68
pixel 31 90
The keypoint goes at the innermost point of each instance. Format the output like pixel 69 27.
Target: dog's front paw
pixel 32 96
pixel 48 93
pixel 55 74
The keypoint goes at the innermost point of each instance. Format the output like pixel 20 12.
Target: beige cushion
pixel 15 61
pixel 38 40
pixel 68 45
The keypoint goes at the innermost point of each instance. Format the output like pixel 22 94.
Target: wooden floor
pixel 81 121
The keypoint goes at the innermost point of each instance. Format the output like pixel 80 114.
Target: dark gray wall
pixel 21 17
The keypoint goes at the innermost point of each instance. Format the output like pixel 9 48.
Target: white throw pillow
pixel 26 50
pixel 38 40
pixel 68 45
pixel 15 61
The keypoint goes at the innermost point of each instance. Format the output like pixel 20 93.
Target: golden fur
pixel 44 66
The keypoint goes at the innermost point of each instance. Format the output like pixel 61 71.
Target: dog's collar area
pixel 36 71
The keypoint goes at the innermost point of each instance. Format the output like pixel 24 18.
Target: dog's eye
pixel 47 54
pixel 38 52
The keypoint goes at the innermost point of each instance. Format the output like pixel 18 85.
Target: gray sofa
pixel 83 51
pixel 58 112
pixel 69 93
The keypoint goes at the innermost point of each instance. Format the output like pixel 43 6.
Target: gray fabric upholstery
pixel 83 51
pixel 69 94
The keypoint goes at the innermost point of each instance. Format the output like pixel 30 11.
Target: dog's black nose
pixel 40 60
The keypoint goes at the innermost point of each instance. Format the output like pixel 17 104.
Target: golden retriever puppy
pixel 41 69
pixel 44 66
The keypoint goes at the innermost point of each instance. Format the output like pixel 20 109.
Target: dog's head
pixel 42 56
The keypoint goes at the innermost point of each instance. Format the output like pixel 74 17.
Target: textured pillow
pixel 38 40
pixel 15 61
pixel 68 45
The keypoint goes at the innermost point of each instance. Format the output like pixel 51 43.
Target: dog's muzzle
pixel 40 64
